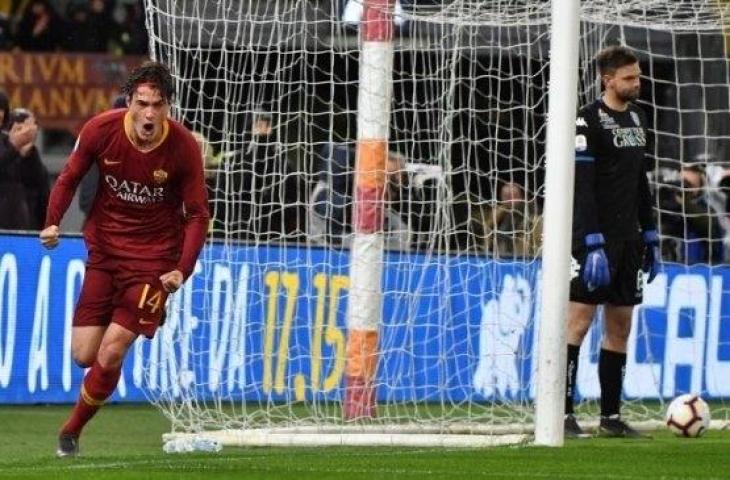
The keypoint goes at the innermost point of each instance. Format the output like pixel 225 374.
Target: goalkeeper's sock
pixel 98 385
pixel 611 368
pixel 572 372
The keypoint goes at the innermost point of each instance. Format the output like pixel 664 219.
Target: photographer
pixel 23 177
pixel 331 201
pixel 511 227
pixel 690 228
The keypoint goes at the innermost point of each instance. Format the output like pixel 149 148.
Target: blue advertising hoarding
pixel 268 324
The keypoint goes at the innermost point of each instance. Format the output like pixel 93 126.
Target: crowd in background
pixel 260 196
pixel 24 180
pixel 38 26
pixel 692 205
pixel 74 25
pixel 692 208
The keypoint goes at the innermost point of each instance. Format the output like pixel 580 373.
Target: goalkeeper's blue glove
pixel 652 255
pixel 595 269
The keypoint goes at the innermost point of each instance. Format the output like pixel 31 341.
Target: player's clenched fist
pixel 49 236
pixel 171 281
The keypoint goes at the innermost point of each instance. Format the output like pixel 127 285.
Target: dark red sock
pixel 98 385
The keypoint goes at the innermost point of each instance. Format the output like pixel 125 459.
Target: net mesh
pixel 257 337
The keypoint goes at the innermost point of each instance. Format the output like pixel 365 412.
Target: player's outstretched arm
pixel 49 236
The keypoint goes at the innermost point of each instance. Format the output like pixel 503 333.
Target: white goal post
pixel 557 232
pixel 380 183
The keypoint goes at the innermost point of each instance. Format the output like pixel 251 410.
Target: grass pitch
pixel 124 442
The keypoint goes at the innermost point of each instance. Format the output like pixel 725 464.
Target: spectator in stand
pixel 103 25
pixel 130 39
pixel 40 29
pixel 511 227
pixel 719 185
pixel 211 164
pixel 211 160
pixel 257 198
pixel 4 111
pixel 6 33
pixel 274 186
pixel 84 33
pixel 330 204
pixel 690 227
pixel 24 185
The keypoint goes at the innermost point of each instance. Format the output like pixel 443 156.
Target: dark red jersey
pixel 149 205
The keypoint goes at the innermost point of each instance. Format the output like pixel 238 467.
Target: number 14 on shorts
pixel 150 300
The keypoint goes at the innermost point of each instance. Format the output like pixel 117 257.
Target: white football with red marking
pixel 688 416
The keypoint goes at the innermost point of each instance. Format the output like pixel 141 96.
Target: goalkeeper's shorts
pixel 625 258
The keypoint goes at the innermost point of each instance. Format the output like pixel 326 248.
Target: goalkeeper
pixel 614 237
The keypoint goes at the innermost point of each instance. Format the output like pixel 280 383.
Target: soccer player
pixel 145 230
pixel 614 236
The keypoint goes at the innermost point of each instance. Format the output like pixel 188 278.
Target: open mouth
pixel 148 128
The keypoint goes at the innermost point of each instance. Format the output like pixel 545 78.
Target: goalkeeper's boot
pixel 613 426
pixel 572 429
pixel 68 445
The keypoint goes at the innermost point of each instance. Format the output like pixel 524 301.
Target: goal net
pixel 322 312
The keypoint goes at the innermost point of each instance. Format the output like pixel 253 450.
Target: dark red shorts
pixel 126 292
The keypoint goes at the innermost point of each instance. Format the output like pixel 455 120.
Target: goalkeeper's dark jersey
pixel 612 194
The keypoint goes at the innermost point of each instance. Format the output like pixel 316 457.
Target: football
pixel 688 416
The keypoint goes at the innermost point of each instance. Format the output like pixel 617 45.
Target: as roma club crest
pixel 160 176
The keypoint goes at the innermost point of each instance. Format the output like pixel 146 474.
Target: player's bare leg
pixel 85 342
pixel 580 316
pixel 99 383
pixel 617 327
pixel 611 365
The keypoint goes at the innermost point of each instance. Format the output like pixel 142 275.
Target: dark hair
pixel 5 108
pixel 120 101
pixel 19 115
pixel 151 72
pixel 265 117
pixel 696 167
pixel 612 58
